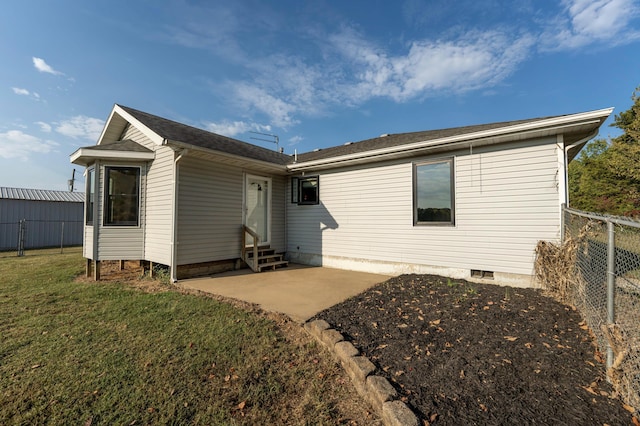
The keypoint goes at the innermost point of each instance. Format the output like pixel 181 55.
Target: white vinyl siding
pixel 87 245
pixel 210 197
pixel 159 206
pixel 118 243
pixel 134 134
pixel 278 206
pixel 506 200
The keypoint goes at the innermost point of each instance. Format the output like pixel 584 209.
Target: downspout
pixel 566 163
pixel 562 174
pixel 174 216
pixel 564 202
pixel 562 169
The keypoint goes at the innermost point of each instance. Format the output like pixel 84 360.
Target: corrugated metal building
pixel 52 218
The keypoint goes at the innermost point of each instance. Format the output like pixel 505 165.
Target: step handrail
pixel 256 240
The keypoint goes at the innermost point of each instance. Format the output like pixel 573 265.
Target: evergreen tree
pixel 605 178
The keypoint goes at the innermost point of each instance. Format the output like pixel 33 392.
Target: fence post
pixel 62 238
pixel 21 231
pixel 611 283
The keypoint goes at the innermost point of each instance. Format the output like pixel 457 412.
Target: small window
pixel 90 195
pixel 305 190
pixel 433 193
pixel 122 195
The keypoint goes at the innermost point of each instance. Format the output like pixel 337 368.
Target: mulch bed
pixel 466 353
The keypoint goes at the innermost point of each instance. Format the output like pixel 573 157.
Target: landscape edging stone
pixel 376 390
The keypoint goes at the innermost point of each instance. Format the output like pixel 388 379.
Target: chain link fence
pixel 599 273
pixel 16 237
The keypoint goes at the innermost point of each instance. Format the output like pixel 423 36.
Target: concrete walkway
pixel 297 291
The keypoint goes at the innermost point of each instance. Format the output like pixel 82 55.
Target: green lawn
pixel 106 353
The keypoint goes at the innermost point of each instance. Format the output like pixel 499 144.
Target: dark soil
pixel 465 353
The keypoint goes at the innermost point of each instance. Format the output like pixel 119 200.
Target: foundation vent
pixel 477 273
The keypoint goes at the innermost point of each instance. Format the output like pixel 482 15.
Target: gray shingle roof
pixel 125 145
pixel 40 195
pixel 399 139
pixel 174 131
pixel 178 132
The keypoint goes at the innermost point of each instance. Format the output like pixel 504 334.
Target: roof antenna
pixel 275 139
pixel 72 180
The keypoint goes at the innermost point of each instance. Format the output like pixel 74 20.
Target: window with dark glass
pixel 90 195
pixel 122 196
pixel 305 190
pixel 433 193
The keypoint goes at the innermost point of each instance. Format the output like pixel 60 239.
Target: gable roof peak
pixel 178 133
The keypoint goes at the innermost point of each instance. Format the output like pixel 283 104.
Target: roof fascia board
pixel 529 130
pixel 106 126
pixel 264 164
pixel 117 109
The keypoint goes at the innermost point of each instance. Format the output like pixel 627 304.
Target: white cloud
pixel 42 66
pixel 345 68
pixel 355 71
pixel 17 144
pixel 591 21
pixel 82 127
pixel 24 92
pixel 19 91
pixel 477 60
pixel 44 127
pixel 280 111
pixel 233 128
pixel 295 140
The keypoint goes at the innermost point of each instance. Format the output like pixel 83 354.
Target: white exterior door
pixel 257 195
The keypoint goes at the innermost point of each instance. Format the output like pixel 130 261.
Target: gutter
pixel 174 215
pixel 553 124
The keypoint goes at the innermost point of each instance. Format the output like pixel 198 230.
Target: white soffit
pixel 85 156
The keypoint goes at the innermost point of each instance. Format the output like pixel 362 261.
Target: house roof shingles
pixel 124 145
pixel 399 139
pixel 173 131
pixel 178 132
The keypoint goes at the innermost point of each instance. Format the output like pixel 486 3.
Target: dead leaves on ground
pixel 423 328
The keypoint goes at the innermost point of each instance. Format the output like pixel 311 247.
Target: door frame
pixel 245 208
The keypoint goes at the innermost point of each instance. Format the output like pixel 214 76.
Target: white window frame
pixel 107 169
pixel 452 184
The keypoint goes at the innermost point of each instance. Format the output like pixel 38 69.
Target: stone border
pixel 376 390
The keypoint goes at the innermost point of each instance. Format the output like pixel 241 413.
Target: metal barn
pixel 34 218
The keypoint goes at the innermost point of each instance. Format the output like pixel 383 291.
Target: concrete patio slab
pixel 298 291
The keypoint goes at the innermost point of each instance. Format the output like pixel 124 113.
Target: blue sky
pixel 315 73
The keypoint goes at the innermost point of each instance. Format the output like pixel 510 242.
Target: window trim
pixel 452 184
pixel 90 190
pixel 296 190
pixel 295 195
pixel 106 204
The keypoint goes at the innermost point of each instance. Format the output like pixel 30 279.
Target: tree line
pixel 605 177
